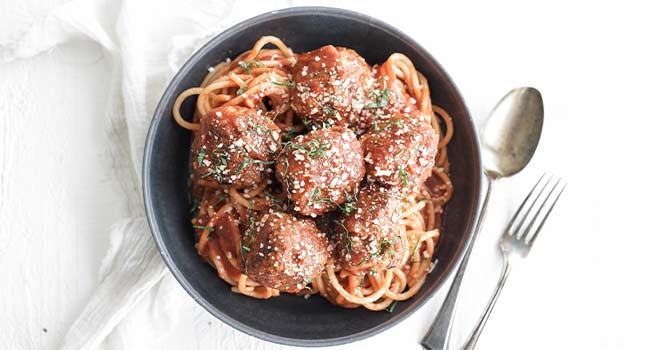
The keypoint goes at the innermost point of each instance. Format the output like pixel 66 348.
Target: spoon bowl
pixel 511 134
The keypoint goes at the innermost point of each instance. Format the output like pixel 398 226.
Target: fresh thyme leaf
pixel 405 179
pixel 246 66
pixel 202 227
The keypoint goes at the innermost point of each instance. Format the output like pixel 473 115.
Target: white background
pixel 585 285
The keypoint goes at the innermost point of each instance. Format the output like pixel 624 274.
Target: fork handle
pixel 505 271
pixel 439 333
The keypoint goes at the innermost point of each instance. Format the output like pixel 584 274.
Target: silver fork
pixel 518 239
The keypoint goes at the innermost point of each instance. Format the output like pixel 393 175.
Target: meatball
pixel 332 86
pixel 235 146
pixel 372 237
pixel 400 151
pixel 284 252
pixel 320 170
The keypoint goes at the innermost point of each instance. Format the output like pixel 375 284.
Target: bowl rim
pixel 147 190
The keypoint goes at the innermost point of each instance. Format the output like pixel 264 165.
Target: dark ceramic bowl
pixel 291 319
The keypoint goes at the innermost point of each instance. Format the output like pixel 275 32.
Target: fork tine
pixel 514 217
pixel 531 238
pixel 530 207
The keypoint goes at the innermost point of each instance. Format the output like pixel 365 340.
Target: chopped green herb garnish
pixel 276 201
pixel 291 85
pixel 350 205
pixel 247 249
pixel 257 127
pixel 202 227
pixel 415 247
pixel 314 192
pixel 241 90
pixel 317 197
pixel 250 161
pixel 347 207
pixel 195 205
pixel 305 282
pixel 387 125
pixel 383 245
pixel 287 135
pixel 220 200
pixel 405 179
pixel 246 66
pixel 221 163
pixel 331 110
pixel 346 236
pixel 401 150
pixel 380 96
pixel 315 125
pixel 316 148
pixel 200 157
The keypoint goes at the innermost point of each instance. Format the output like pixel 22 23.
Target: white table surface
pixel 585 285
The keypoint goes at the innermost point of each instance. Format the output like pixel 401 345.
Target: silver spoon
pixel 508 141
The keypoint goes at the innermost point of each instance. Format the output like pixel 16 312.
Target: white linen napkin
pixel 145 43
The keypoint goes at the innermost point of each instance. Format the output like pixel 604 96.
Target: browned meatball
pixel 372 237
pixel 332 85
pixel 284 252
pixel 235 146
pixel 400 151
pixel 321 170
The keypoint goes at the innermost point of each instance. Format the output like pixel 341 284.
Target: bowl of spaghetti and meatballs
pixel 306 184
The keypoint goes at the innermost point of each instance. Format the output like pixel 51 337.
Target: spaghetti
pixel 260 79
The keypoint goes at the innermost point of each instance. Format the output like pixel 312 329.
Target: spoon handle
pixel 438 336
